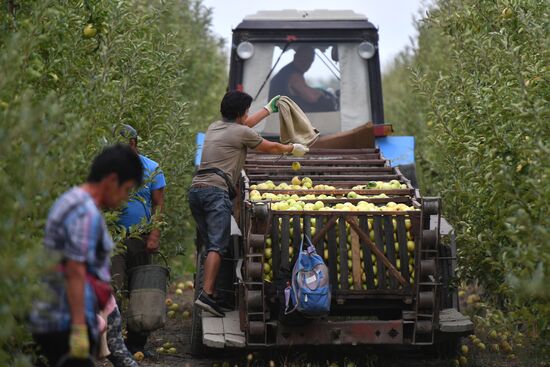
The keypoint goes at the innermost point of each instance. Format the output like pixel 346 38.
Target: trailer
pixel 390 253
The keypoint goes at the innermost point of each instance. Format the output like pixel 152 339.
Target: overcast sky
pixel 394 18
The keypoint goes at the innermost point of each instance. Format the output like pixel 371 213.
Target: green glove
pixel 79 344
pixel 271 107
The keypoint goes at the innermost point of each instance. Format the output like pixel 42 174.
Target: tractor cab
pixel 324 60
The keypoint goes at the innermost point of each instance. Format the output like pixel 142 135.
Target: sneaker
pixel 223 304
pixel 206 303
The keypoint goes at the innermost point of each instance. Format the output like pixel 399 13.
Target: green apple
pixel 318 205
pixel 410 246
pixel 296 181
pixel 268 253
pixel 352 195
pixel 395 184
pixel 283 206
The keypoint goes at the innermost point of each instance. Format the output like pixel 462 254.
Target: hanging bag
pixel 309 290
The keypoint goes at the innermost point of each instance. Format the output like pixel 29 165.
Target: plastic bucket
pixel 147 307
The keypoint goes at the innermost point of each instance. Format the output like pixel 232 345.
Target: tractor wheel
pixel 197 347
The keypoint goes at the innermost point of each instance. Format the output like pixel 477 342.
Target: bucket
pixel 147 307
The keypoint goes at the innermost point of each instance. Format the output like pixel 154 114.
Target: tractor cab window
pixel 309 75
pixel 329 81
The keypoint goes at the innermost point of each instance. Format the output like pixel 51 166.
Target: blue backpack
pixel 309 288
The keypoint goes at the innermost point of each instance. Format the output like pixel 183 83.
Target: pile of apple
pixel 268 252
pixel 306 183
pixel 295 202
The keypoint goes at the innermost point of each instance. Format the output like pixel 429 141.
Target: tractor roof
pixel 306 19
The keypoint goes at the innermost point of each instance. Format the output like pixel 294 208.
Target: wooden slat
pixel 390 246
pixel 254 177
pixel 324 151
pixel 320 244
pixel 321 162
pixel 285 241
pixel 378 239
pixel 396 199
pixel 307 225
pixel 363 223
pixel 276 246
pixel 343 191
pixel 332 257
pixel 328 156
pixel 379 255
pixel 339 212
pixel 343 250
pixel 304 169
pixel 403 252
pixel 296 235
pixel 356 260
pixel 321 232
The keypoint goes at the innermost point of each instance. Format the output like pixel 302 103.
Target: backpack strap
pixel 310 248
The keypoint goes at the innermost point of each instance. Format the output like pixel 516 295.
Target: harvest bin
pixel 390 274
pixel 383 263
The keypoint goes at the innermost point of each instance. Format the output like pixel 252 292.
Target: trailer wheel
pixel 448 348
pixel 197 347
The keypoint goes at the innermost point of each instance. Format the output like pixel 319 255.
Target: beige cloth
pixel 295 127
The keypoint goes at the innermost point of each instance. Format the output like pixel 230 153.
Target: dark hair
pixel 234 104
pixel 119 159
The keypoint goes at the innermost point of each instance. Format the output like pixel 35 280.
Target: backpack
pixel 309 288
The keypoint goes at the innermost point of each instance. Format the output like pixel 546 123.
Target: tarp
pixel 398 149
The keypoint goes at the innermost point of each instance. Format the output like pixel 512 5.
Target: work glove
pixel 271 107
pixel 79 344
pixel 299 150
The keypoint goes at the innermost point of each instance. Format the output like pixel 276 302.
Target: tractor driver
pixel 290 82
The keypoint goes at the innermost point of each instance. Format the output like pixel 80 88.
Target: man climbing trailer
pixel 389 268
pixel 213 186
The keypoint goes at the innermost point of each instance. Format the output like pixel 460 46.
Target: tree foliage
pixel 474 91
pixel 152 64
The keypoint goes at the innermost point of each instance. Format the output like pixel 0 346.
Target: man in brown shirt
pixel 223 156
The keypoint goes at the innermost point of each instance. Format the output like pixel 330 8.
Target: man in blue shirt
pixel 140 211
pixel 64 324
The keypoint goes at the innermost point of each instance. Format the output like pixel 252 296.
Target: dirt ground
pixel 178 329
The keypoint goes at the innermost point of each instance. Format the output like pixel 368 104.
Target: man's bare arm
pixel 298 85
pixel 267 146
pixel 254 119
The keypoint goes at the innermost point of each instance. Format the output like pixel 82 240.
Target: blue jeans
pixel 212 211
